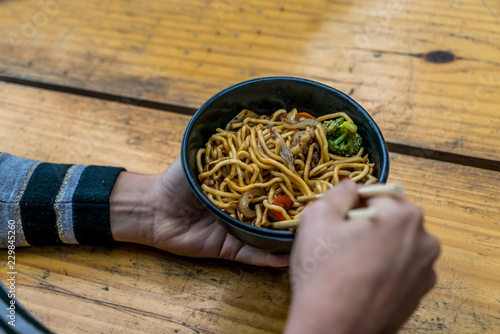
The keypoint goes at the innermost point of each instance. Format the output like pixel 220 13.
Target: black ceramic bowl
pixel 264 96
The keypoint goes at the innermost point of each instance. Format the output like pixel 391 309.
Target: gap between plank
pixel 101 96
pixel 403 149
pixel 454 158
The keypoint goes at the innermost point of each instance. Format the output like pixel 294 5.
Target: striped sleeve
pixel 51 204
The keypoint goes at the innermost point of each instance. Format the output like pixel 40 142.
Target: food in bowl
pixel 264 169
pixel 263 96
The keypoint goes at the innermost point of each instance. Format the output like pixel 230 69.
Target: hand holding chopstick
pixel 394 189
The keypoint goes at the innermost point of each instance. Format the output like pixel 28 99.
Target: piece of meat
pixel 301 141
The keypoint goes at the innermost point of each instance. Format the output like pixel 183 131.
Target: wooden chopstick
pixel 393 189
pixel 368 213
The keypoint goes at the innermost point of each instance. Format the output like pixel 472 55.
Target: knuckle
pixel 401 212
pixel 404 213
pixel 314 212
pixel 386 203
pixel 325 207
pixel 432 279
pixel 415 211
pixel 347 185
pixel 434 248
pixel 316 208
pixel 414 216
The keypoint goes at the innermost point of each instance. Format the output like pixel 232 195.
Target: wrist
pixel 132 208
pixel 338 308
pixel 313 314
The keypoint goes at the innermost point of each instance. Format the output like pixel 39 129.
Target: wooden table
pixel 114 83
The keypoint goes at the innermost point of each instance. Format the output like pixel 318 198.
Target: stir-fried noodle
pixel 260 168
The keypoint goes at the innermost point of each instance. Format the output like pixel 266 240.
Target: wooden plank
pixel 181 53
pixel 76 129
pixel 137 289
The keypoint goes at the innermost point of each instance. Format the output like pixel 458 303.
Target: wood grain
pixel 181 53
pixel 135 289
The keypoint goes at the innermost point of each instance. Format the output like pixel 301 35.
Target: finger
pixel 235 250
pixel 392 211
pixel 400 199
pixel 425 255
pixel 429 249
pixel 429 282
pixel 259 257
pixel 338 201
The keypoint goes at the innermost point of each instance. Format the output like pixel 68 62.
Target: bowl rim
pixel 193 184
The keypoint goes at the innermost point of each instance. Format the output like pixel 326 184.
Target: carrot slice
pixel 285 202
pixel 343 177
pixel 305 115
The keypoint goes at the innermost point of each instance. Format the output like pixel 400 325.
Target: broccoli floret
pixel 343 138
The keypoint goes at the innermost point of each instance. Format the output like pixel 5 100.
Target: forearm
pixel 52 204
